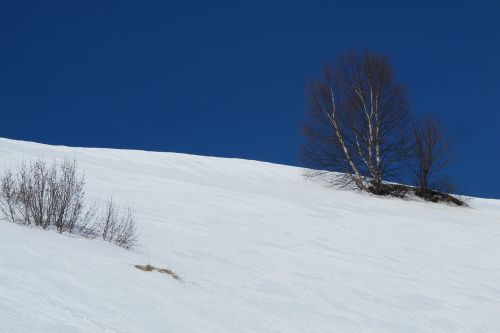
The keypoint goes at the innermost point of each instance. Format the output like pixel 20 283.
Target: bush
pixel 118 225
pixel 54 197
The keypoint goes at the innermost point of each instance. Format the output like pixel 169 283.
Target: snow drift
pixel 258 249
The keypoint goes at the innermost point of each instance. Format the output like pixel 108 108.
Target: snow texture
pixel 258 248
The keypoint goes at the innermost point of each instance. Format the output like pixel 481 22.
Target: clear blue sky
pixel 228 78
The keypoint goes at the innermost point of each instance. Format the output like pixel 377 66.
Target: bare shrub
pixel 8 197
pixel 88 226
pixel 118 225
pixel 54 197
pixel 67 197
pixel 33 193
pixel 44 195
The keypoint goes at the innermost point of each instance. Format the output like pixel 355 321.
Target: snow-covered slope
pixel 259 249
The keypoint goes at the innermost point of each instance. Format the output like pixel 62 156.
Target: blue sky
pixel 228 78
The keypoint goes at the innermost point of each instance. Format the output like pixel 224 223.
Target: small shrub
pixel 54 197
pixel 118 225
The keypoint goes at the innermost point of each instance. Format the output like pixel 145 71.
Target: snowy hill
pixel 259 249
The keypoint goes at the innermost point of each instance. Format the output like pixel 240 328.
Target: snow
pixel 259 249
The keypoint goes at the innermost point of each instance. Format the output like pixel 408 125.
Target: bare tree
pixel 357 122
pixel 431 155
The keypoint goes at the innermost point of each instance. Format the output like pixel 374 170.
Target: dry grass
pixel 149 268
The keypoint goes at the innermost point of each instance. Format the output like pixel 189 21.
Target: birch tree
pixel 357 123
